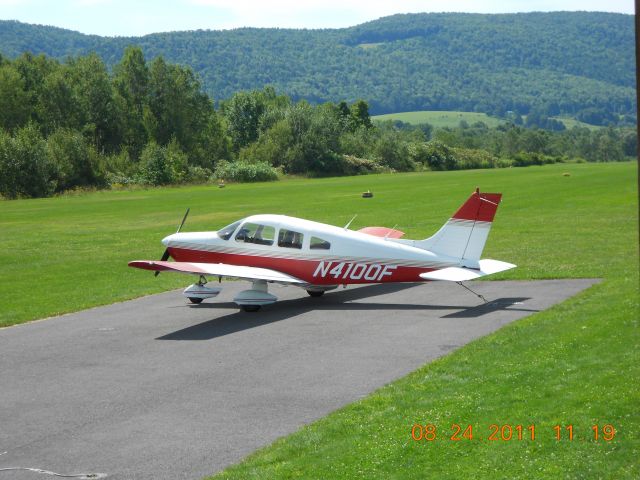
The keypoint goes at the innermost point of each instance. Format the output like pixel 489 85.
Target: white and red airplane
pixel 317 257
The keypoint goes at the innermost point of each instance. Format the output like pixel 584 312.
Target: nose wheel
pixel 250 308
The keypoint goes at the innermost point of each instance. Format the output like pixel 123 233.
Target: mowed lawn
pixel 63 254
pixel 575 364
pixel 452 119
pixel 573 369
pixel 441 119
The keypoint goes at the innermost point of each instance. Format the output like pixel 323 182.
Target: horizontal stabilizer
pixel 460 274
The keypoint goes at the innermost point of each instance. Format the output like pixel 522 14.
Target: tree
pixel 13 99
pixel 273 146
pixel 102 115
pixel 131 82
pixel 243 113
pixel 177 107
pixel 609 146
pixel 59 106
pixel 215 145
pixel 33 70
pixel 360 114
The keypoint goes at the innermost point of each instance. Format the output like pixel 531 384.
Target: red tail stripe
pixel 479 206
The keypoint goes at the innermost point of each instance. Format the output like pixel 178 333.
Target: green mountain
pixel 571 63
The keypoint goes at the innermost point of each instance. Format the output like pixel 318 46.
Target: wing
pixel 460 274
pixel 219 269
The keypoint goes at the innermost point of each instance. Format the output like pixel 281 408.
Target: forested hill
pixel 562 62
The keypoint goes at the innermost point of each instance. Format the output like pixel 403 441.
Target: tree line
pixel 75 124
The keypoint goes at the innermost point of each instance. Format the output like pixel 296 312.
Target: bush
pixel 352 165
pixel 177 162
pixel 391 151
pixel 76 162
pixel 468 158
pixel 524 159
pixel 25 168
pixel 439 157
pixel 198 175
pixel 246 172
pixel 162 165
pixel 154 169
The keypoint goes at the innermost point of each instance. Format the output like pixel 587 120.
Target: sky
pixel 136 18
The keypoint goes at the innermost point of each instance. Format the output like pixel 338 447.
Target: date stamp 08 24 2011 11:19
pixel 506 432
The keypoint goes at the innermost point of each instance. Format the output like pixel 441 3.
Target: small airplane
pixel 318 257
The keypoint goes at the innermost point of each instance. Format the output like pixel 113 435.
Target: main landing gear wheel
pixel 250 308
pixel 315 293
pixel 195 300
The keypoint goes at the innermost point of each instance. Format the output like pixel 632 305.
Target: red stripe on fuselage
pixel 332 274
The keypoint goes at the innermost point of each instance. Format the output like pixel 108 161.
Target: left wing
pixel 219 269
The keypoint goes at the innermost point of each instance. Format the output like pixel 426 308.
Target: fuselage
pixel 316 253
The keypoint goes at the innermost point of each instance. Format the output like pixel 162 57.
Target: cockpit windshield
pixel 227 231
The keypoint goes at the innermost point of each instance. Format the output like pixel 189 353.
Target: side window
pixel 319 244
pixel 290 239
pixel 256 233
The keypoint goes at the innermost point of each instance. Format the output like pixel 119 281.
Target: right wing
pixel 218 269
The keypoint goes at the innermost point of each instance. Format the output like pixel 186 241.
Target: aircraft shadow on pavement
pixel 493 306
pixel 332 301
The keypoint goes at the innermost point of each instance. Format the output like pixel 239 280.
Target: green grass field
pixel 572 122
pixel 576 363
pixel 452 119
pixel 441 119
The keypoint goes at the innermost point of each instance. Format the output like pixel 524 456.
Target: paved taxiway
pixel 154 388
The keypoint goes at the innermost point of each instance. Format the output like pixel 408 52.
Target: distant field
pixel 441 119
pixel 572 122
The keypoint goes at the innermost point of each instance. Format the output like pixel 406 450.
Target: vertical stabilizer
pixel 465 233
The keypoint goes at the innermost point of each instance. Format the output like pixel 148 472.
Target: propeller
pixel 166 254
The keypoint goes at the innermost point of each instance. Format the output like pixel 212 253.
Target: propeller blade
pixel 183 220
pixel 165 257
pixel 166 254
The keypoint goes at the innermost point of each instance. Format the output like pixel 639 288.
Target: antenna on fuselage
pixel 350 221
